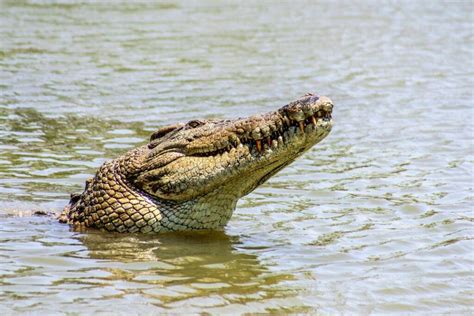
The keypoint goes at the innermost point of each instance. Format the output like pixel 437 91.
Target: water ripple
pixel 375 219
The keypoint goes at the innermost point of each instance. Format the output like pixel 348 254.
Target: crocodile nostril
pixel 314 98
pixel 325 104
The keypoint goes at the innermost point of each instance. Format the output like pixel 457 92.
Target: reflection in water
pixel 203 264
pixel 186 271
pixel 205 270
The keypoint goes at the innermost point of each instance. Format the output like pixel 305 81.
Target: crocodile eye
pixel 195 123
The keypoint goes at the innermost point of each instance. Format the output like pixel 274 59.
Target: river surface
pixel 378 218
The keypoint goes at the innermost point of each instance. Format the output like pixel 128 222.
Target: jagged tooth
pixel 301 124
pixel 313 120
pixel 259 145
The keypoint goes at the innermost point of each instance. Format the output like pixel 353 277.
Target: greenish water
pixel 376 219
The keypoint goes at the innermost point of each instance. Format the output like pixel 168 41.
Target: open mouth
pixel 257 143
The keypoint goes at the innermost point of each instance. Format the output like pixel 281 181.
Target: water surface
pixel 375 219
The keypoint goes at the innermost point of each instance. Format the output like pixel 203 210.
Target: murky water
pixel 377 218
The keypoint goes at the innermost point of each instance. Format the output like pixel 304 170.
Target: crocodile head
pixel 194 173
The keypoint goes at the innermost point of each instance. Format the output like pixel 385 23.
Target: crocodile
pixel 189 176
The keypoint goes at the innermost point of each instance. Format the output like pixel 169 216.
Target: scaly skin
pixel 190 176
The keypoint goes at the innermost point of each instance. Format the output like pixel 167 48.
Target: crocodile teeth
pixel 259 144
pixel 301 124
pixel 313 120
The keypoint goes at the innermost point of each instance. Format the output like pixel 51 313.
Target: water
pixel 376 219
